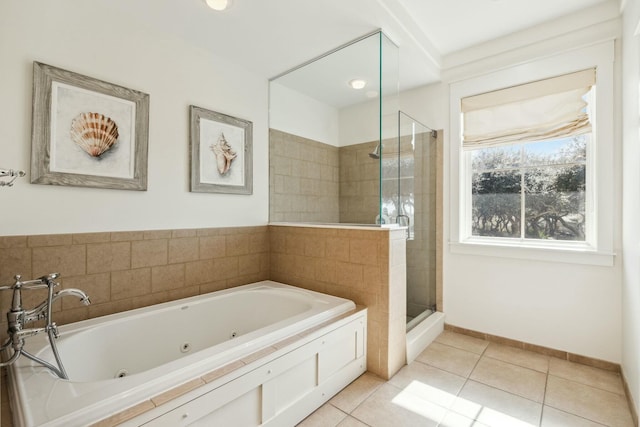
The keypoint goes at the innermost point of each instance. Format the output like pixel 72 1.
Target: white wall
pixel 631 200
pixel 79 36
pixel 298 114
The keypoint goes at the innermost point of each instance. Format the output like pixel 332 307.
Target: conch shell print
pixel 224 154
pixel 94 133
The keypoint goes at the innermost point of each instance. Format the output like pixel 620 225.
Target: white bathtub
pixel 117 361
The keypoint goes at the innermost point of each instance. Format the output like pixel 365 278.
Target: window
pixel 533 190
pixel 531 160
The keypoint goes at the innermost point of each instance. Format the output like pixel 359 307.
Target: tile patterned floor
pixel 460 381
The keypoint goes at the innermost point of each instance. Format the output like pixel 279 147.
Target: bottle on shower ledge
pixel 385 217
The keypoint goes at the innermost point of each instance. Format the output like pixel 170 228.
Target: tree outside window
pixel 530 190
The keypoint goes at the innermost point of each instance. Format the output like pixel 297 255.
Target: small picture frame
pixel 221 153
pixel 87 132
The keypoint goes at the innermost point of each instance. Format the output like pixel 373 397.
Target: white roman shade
pixel 540 110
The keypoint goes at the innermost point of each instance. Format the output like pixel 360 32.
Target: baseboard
pixel 571 357
pixel 630 401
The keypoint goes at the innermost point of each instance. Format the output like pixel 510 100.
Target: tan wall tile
pixel 149 299
pixel 166 277
pixel 147 253
pixel 70 315
pixel 184 249
pixel 326 270
pixel 157 234
pixel 214 286
pixel 83 238
pixel 13 242
pixel 66 260
pixel 118 306
pixel 96 286
pixel 199 272
pixel 237 244
pixel 212 247
pixel 363 251
pixel 130 283
pixel 49 240
pixel 350 275
pixel 123 236
pixel 103 257
pixel 249 264
pixel 14 261
pixel 295 244
pixel 186 292
pixel 225 268
pixel 337 248
pixel 206 232
pixel 315 247
pixel 178 234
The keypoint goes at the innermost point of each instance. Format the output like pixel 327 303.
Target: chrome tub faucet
pixel 18 317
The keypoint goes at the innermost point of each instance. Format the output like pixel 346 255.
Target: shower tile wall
pixel 359 184
pixel 126 270
pixel 303 179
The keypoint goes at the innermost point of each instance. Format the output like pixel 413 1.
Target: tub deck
pixel 46 400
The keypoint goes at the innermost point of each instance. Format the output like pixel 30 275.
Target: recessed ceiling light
pixel 357 84
pixel 218 4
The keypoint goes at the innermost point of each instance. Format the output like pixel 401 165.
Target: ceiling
pixel 270 37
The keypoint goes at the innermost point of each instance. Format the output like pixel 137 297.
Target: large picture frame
pixel 87 132
pixel 221 153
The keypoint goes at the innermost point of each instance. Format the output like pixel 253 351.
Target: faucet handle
pixel 48 279
pixel 13 286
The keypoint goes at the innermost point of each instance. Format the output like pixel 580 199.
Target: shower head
pixel 376 153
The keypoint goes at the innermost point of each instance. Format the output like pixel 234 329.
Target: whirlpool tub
pixel 259 354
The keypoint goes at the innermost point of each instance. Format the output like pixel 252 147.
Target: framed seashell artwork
pixel 221 153
pixel 87 132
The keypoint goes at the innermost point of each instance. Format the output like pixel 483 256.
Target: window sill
pixel 571 255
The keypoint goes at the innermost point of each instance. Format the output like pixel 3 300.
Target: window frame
pixel 598 248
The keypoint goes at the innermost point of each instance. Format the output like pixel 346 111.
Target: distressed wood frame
pixel 196 114
pixel 41 138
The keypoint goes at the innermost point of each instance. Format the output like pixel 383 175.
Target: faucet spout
pixel 84 298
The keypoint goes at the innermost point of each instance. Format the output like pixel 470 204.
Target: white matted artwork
pixel 221 153
pixel 87 132
pixel 72 108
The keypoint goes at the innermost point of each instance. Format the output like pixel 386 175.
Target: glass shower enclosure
pixel 341 151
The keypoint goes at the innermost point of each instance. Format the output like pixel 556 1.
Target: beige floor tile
pixel 514 379
pixel 588 402
pixel 463 342
pixel 453 419
pixel 495 407
pixel 356 392
pixel 451 359
pixel 552 417
pixel 391 406
pixel 325 416
pixel 349 421
pixel 599 378
pixel 517 356
pixel 432 384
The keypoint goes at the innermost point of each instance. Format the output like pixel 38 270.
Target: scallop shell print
pixel 224 154
pixel 95 133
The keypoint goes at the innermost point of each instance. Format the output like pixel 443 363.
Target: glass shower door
pixel 409 199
